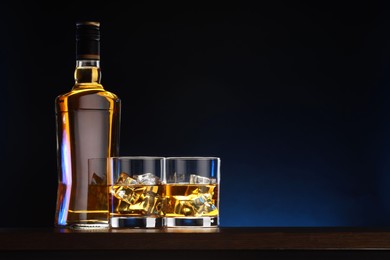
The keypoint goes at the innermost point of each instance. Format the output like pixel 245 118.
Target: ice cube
pixel 151 203
pixel 194 205
pixel 203 203
pixel 183 207
pixel 197 179
pixel 206 209
pixel 130 195
pixel 125 179
pixel 148 179
pixel 139 200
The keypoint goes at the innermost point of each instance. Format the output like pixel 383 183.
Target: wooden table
pixel 200 244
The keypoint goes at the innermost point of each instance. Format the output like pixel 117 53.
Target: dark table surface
pixel 251 242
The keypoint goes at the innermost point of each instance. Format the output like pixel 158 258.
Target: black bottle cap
pixel 88 40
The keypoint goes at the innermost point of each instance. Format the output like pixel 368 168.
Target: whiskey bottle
pixel 87 126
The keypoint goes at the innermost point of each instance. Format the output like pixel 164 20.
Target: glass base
pixel 191 222
pixel 136 222
pixel 88 226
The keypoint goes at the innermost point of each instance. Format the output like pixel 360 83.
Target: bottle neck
pixel 87 72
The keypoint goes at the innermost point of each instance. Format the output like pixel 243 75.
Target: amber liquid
pixel 191 200
pixel 136 200
pixel 88 121
pixel 97 209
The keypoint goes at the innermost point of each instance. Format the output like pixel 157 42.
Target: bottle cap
pixel 88 40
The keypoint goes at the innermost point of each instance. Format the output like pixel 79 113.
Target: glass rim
pixel 193 158
pixel 142 157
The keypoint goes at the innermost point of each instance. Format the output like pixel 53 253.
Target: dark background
pixel 292 96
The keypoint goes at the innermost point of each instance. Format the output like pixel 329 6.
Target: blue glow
pixel 212 169
pixel 66 180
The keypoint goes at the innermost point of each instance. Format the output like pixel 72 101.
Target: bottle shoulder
pixel 109 94
pixel 87 98
pixel 87 91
